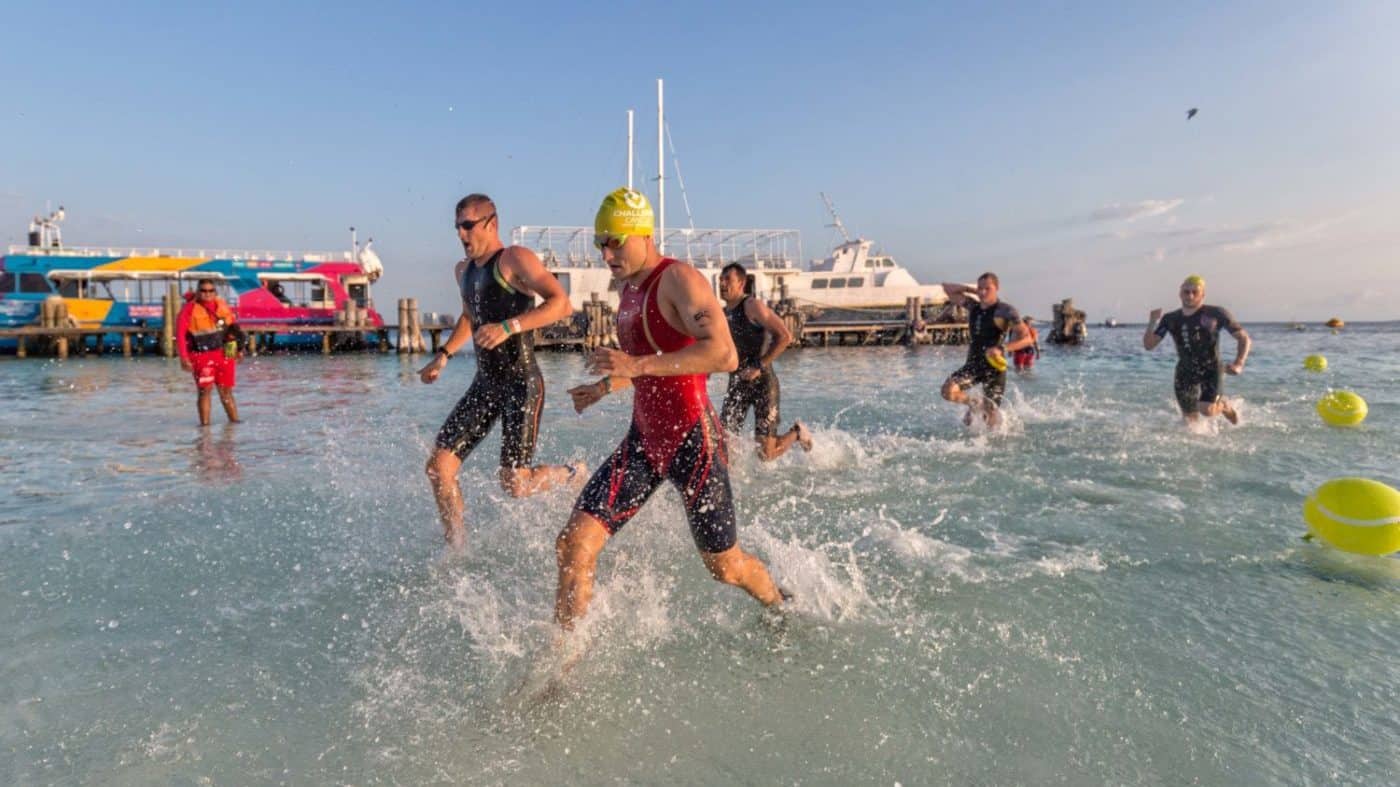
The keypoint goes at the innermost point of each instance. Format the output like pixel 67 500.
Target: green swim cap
pixel 1195 281
pixel 624 213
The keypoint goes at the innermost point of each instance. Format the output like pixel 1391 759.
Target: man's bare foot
pixel 1230 414
pixel 804 435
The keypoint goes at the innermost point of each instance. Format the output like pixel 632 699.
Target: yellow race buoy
pixel 1342 408
pixel 1315 363
pixel 997 362
pixel 1355 515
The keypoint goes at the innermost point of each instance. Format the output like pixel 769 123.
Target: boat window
pixel 69 288
pixel 34 282
pixel 359 293
pixel 7 282
pixel 889 263
pixel 318 292
pixel 855 281
pixel 819 284
pixel 838 283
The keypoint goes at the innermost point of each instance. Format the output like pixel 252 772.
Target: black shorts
pixel 979 372
pixel 515 398
pixel 1195 385
pixel 699 470
pixel 761 394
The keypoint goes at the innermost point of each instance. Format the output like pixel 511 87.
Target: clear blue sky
pixel 1047 142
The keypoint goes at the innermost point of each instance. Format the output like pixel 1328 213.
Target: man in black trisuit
pixel 498 286
pixel 988 321
pixel 755 384
pixel 1195 328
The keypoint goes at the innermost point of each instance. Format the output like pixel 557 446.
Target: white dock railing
pixel 203 254
pixel 763 249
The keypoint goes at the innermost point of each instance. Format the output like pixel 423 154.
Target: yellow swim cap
pixel 624 213
pixel 1195 281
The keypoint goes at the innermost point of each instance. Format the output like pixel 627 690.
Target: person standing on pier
pixel 498 286
pixel 1195 329
pixel 753 325
pixel 673 336
pixel 989 320
pixel 206 334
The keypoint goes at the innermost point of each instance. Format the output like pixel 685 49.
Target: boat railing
pixel 765 249
pixel 192 253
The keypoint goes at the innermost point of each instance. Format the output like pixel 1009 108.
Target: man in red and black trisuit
pixel 673 335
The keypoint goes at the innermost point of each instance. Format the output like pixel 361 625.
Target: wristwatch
pixel 444 353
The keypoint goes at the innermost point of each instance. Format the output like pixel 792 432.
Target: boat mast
pixel 629 150
pixel 661 166
pixel 835 218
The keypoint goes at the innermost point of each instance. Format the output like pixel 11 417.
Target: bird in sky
pixel 1190 113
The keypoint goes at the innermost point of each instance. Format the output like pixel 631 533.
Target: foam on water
pixel 1087 593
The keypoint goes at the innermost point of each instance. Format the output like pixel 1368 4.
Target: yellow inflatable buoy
pixel 1342 408
pixel 997 362
pixel 1355 515
pixel 1335 322
pixel 1315 363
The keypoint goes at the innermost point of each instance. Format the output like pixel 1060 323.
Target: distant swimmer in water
pixel 498 287
pixel 1195 328
pixel 753 325
pixel 673 334
pixel 989 320
pixel 1024 358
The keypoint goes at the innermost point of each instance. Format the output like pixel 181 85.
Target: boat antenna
pixel 661 166
pixel 685 200
pixel 836 219
pixel 629 150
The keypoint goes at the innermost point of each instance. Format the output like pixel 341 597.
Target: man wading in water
pixel 498 286
pixel 1195 328
pixel 673 335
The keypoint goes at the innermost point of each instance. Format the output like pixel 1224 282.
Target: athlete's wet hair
pixel 991 277
pixel 475 199
pixel 743 274
pixel 203 282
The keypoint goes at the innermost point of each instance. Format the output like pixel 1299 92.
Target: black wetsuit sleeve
pixel 1227 320
pixel 1164 325
pixel 1008 313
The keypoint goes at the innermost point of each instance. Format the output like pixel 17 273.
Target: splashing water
pixel 1089 592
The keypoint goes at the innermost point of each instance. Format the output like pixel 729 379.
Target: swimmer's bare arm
pixel 589 394
pixel 688 303
pixel 461 334
pixel 523 270
pixel 1242 345
pixel 758 312
pixel 1020 337
pixel 1150 339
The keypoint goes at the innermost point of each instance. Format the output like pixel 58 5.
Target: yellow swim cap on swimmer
pixel 624 213
pixel 1195 281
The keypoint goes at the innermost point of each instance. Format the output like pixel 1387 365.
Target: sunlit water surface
pixel 1093 594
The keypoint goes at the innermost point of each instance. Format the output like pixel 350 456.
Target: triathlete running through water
pixel 1195 329
pixel 498 286
pixel 672 335
pixel 989 319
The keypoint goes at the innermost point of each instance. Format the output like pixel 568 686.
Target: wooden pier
pixel 595 325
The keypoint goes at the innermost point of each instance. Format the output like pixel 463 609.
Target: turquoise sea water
pixel 1092 595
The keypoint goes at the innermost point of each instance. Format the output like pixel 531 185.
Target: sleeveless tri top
pixel 748 335
pixel 664 409
pixel 490 299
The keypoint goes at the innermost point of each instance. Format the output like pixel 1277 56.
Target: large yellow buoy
pixel 1342 408
pixel 1355 515
pixel 1315 363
